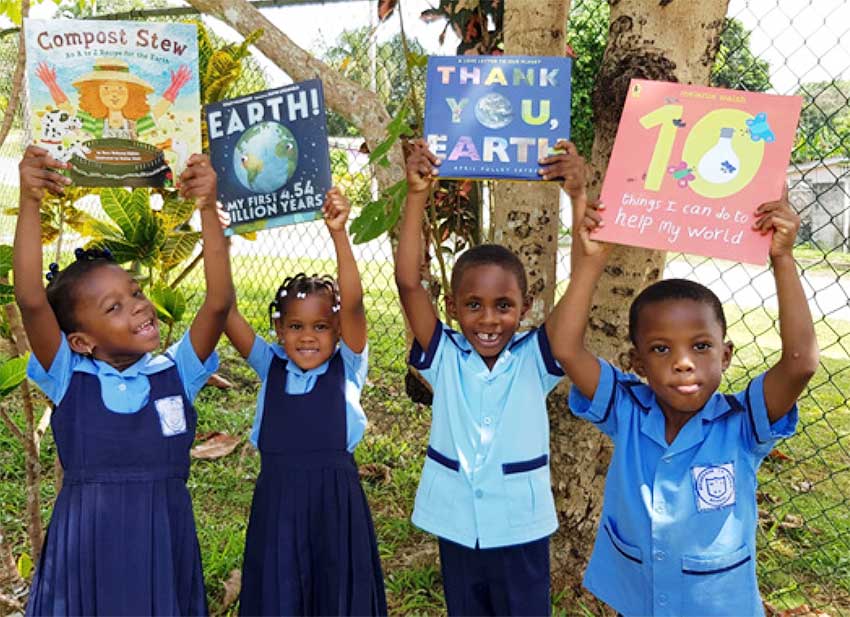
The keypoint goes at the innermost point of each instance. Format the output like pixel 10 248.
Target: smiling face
pixel 114 94
pixel 116 322
pixel 308 330
pixel 488 304
pixel 680 351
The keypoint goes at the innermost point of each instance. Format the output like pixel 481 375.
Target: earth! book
pixel 270 151
pixel 496 116
pixel 119 100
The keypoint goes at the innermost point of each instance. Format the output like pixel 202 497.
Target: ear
pixel 636 362
pixel 81 343
pixel 451 308
pixel 728 348
pixel 526 305
pixel 278 328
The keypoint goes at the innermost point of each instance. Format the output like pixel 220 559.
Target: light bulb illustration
pixel 720 164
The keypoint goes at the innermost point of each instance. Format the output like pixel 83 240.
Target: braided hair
pixel 301 286
pixel 62 285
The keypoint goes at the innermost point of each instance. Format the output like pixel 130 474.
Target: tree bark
pixel 526 216
pixel 665 41
pixel 17 80
pixel 360 106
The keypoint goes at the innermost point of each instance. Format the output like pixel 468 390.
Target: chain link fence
pixel 804 521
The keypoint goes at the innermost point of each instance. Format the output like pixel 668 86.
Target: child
pixel 485 488
pixel 677 533
pixel 310 547
pixel 122 537
pixel 113 101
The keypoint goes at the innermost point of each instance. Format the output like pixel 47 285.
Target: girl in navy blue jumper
pixel 310 547
pixel 122 537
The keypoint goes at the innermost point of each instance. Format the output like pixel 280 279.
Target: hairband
pixel 52 271
pixel 92 254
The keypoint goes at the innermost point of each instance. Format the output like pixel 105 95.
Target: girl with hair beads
pixel 310 548
pixel 122 537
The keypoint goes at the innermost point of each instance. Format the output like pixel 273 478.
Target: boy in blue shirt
pixel 485 489
pixel 677 532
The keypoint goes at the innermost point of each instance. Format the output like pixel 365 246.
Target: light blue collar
pixel 293 368
pixel 146 365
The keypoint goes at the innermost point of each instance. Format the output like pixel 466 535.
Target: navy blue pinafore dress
pixel 122 537
pixel 310 548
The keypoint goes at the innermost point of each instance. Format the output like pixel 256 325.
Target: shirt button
pixel 659 508
pixel 122 387
pixel 660 556
pixel 662 599
pixel 488 420
pixel 479 493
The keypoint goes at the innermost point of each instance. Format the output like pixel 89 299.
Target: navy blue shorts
pixel 509 580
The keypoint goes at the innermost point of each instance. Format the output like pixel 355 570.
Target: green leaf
pixel 117 206
pixel 395 129
pixel 24 566
pixel 176 212
pixel 12 373
pixel 170 304
pixel 5 260
pixel 7 294
pixel 177 247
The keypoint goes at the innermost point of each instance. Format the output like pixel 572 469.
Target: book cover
pixel 119 100
pixel 496 116
pixel 690 166
pixel 270 151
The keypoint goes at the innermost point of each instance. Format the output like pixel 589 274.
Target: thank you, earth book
pixel 495 116
pixel 119 100
pixel 270 151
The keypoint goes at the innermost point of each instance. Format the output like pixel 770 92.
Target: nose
pixel 490 316
pixel 683 363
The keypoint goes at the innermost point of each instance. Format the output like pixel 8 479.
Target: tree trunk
pixel 525 217
pixel 17 80
pixel 358 105
pixel 670 40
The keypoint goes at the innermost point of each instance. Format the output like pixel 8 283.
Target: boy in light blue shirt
pixel 485 488
pixel 677 532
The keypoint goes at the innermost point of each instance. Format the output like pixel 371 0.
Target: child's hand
pixel 421 167
pixel 569 166
pixel 37 175
pixel 590 222
pixel 223 216
pixel 199 181
pixel 336 210
pixel 781 218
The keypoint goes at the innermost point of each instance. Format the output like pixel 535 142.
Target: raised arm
pixel 198 182
pixel 566 324
pixel 36 177
pixel 408 259
pixel 352 315
pixel 787 379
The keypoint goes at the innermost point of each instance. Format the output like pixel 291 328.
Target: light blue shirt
pixel 124 391
pixel 298 381
pixel 677 533
pixel 486 472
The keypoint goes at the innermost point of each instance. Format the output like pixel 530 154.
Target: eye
pixel 138 293
pixel 472 305
pixel 504 305
pixel 659 349
pixel 113 308
pixel 294 326
pixel 321 327
pixel 702 346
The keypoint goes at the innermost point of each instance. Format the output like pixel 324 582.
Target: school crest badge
pixel 714 486
pixel 172 416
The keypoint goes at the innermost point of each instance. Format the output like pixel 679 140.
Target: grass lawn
pixel 804 527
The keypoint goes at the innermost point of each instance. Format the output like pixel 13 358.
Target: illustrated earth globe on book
pixel 266 157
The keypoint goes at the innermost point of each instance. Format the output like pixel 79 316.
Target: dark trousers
pixel 509 580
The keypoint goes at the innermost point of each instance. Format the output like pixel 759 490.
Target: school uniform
pixel 485 488
pixel 122 537
pixel 678 525
pixel 310 548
